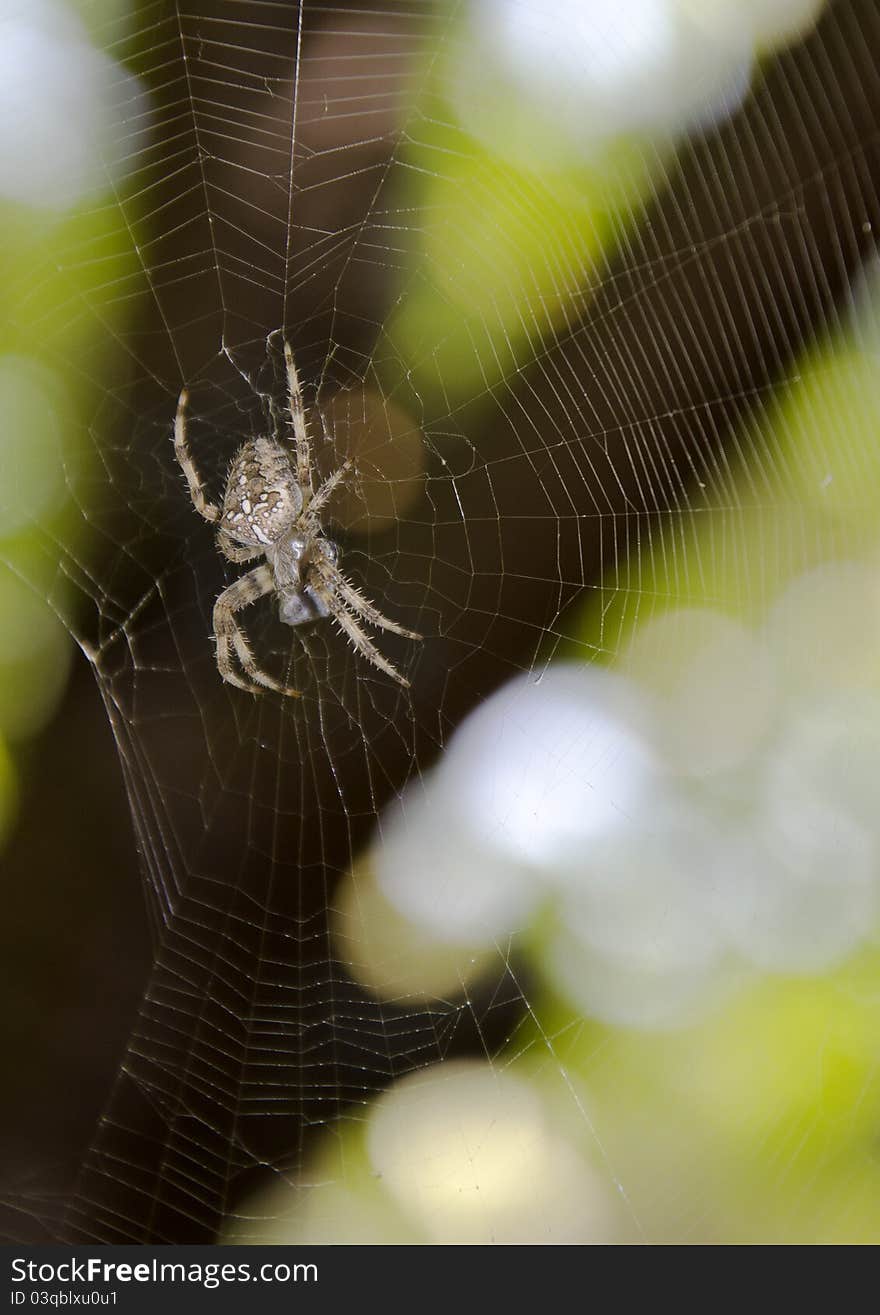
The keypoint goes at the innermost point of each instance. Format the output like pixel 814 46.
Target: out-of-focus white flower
pixel 528 783
pixel 442 876
pixel 800 905
pixel 457 1152
pixel 767 24
pixel 713 686
pixel 578 73
pixel 637 941
pixel 824 631
pixel 471 1156
pixel 755 849
pixel 635 989
pixel 647 890
pixel 826 765
pixel 545 765
pixel 69 115
pixel 401 959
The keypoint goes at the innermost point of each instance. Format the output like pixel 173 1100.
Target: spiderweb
pixel 531 418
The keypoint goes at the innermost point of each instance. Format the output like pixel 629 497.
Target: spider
pixel 271 509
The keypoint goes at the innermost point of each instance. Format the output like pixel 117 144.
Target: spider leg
pixel 300 427
pixel 351 627
pixel 188 466
pixel 355 600
pixel 324 493
pixel 231 641
pixel 237 552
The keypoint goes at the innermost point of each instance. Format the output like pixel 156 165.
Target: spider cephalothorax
pixel 270 509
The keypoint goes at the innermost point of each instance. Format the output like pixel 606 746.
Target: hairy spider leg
pixel 350 627
pixel 231 639
pixel 237 552
pixel 310 518
pixel 300 428
pixel 188 466
pixel 356 602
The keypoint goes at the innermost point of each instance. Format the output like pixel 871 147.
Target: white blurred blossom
pixel 471 1156
pixel 529 782
pixel 459 1152
pixel 708 815
pixel 69 115
pixel 578 73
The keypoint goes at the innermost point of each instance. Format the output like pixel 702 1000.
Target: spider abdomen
pixel 262 496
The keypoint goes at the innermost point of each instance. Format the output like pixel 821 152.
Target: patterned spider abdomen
pixel 262 497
